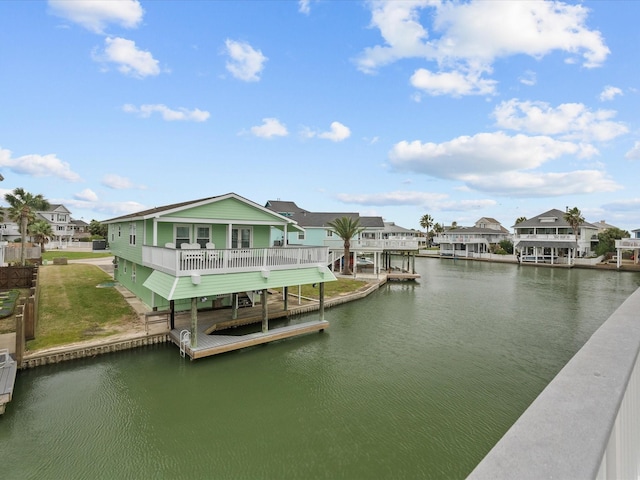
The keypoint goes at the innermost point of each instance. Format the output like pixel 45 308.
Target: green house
pixel 208 253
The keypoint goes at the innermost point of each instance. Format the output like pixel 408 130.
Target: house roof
pixel 177 207
pixel 391 227
pixel 557 215
pixel 320 219
pixel 284 207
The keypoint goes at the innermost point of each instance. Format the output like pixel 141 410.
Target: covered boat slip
pixel 246 330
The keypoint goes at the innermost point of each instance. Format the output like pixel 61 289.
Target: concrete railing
pixel 586 423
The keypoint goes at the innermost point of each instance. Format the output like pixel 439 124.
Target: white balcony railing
pixel 543 237
pixel 585 424
pixel 388 244
pixel 628 243
pixel 179 262
pixel 464 239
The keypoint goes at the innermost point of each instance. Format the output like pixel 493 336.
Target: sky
pixel 459 110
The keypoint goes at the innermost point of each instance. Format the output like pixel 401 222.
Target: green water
pixel 418 380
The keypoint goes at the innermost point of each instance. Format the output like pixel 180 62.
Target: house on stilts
pixel 215 255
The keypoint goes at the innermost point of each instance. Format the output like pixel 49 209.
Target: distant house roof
pixel 602 225
pixel 391 227
pixel 308 219
pixel 284 208
pixel 553 218
pixel 79 223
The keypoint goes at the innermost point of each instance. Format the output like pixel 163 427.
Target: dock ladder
pixel 185 338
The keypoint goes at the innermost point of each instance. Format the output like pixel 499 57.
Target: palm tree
pixel 346 228
pixel 520 220
pixel 22 210
pixel 41 231
pixel 426 221
pixel 574 218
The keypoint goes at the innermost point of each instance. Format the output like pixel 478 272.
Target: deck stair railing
pixel 185 338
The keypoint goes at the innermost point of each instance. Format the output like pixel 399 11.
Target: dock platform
pixel 402 276
pixel 208 345
pixel 7 381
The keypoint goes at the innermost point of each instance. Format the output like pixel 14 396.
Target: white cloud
pixel 428 200
pixel 108 209
pixel 455 83
pixel 484 153
pixel 304 6
pixel 568 120
pixel 129 59
pixel 609 93
pixel 271 127
pixel 629 205
pixel 168 114
pixel 86 195
pixel 393 198
pixel 466 38
pixel 95 15
pixel 38 166
pixel 634 153
pixel 245 62
pixel 529 78
pixel 116 182
pixel 531 184
pixel 338 132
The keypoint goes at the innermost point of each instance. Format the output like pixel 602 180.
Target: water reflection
pixel 417 381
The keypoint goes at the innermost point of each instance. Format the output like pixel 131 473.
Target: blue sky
pixel 460 110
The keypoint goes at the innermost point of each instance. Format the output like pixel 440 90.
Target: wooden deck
pixel 208 345
pixel 7 381
pixel 245 331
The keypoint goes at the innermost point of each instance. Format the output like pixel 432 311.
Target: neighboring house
pixel 203 254
pixel 376 239
pixel 473 241
pixel 602 226
pixel 548 238
pixel 392 231
pixel 60 220
pixel 9 230
pixel 80 229
pixel 632 243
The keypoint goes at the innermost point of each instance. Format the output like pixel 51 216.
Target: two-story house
pixel 377 240
pixel 202 254
pixel 61 225
pixel 471 242
pixel 548 238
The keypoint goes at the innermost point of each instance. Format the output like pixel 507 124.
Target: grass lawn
pixel 73 309
pixel 50 255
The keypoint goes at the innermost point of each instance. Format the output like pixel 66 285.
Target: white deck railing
pixel 542 237
pixel 364 244
pixel 179 262
pixel 628 243
pixel 586 423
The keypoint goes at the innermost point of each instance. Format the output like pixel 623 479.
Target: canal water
pixel 418 380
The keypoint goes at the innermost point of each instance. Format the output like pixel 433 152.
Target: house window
pixel 300 235
pixel 203 236
pixel 62 218
pixel 329 233
pixel 132 234
pixel 182 235
pixel 119 231
pixel 133 273
pixel 241 238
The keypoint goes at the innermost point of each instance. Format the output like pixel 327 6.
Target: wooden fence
pixel 12 253
pixel 17 277
pixel 27 318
